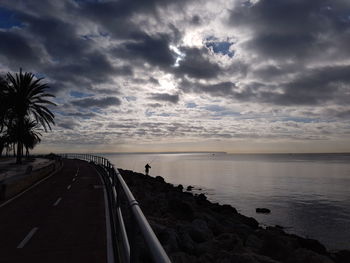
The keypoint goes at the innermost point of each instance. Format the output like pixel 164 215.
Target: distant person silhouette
pixel 147 167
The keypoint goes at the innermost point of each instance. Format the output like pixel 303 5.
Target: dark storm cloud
pixel 294 29
pixel 75 60
pixel 93 68
pixel 318 86
pixel 152 49
pixel 197 65
pixel 312 87
pixel 116 16
pixel 96 102
pixel 60 38
pixel 172 98
pixel 17 50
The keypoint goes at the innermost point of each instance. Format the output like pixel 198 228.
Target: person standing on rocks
pixel 147 167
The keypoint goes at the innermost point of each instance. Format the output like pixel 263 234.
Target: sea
pixel 308 194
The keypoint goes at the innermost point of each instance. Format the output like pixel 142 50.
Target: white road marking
pixel 69 186
pixel 34 185
pixel 57 202
pixel 28 237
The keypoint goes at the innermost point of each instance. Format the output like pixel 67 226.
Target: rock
pixel 181 209
pixel 264 259
pixel 302 255
pixel 250 221
pixel 236 258
pixel 201 199
pixel 313 245
pixel 224 209
pixel 254 243
pixel 275 245
pixel 342 256
pixel 229 242
pixel 263 210
pixel 200 231
pixel 205 258
pixel 160 179
pixel 180 187
pixel 167 237
pixel 189 188
pixel 185 241
pixel 182 257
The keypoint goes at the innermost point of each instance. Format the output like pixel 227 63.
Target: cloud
pixel 16 50
pixel 154 50
pixel 172 98
pixel 186 70
pixel 197 65
pixel 223 89
pixel 96 102
pixel 293 29
pixel 67 124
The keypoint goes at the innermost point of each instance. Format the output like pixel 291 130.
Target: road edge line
pixel 31 187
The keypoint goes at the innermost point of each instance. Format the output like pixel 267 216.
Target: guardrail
pixel 125 244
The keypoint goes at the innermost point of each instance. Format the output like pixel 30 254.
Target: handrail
pixel 116 186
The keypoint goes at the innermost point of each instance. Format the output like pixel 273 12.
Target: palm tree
pixel 3 102
pixel 31 135
pixel 27 98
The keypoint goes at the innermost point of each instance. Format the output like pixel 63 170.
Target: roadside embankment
pixel 193 229
pixel 11 186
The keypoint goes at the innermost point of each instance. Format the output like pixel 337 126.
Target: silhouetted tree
pixel 26 98
pixel 31 135
pixel 3 102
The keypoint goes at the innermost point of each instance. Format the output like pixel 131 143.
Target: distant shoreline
pixel 204 152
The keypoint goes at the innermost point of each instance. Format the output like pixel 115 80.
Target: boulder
pixel 200 231
pixel 180 187
pixel 313 245
pixel 342 256
pixel 182 257
pixel 181 209
pixel 302 255
pixel 229 242
pixel 160 179
pixel 263 210
pixel 189 188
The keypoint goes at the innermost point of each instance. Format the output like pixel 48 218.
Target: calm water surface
pixel 308 194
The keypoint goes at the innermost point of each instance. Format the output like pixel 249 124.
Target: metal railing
pixel 125 244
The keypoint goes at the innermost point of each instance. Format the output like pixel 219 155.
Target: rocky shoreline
pixel 193 229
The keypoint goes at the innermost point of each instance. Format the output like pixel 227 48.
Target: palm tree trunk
pixel 19 153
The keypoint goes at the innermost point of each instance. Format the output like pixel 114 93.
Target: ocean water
pixel 308 194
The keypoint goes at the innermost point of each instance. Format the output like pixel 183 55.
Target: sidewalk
pixel 9 168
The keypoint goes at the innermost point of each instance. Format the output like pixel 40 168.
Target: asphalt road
pixel 60 220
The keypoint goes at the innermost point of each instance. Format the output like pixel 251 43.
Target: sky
pixel 186 75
